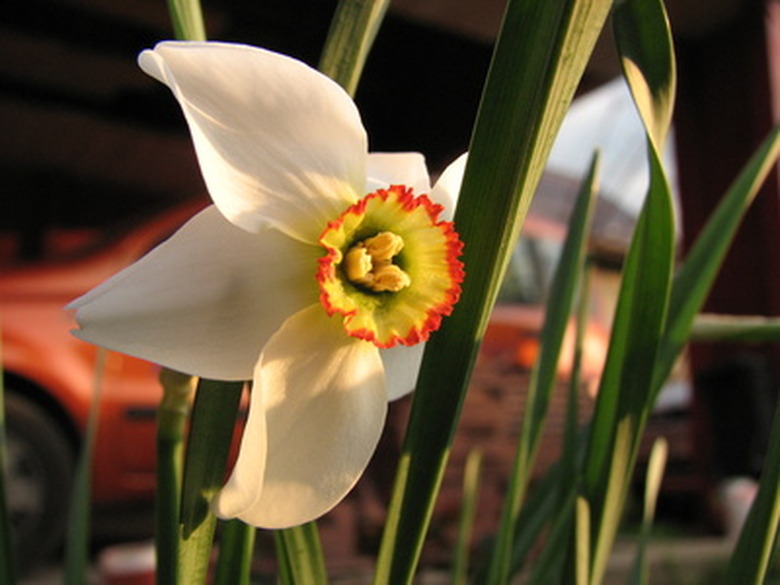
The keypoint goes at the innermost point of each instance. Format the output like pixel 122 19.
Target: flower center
pixel 369 263
pixel 391 267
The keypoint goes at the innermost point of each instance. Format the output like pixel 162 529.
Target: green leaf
pixel 749 562
pixel 352 32
pixel 211 434
pixel 540 55
pixel 78 537
pixel 626 391
pixel 468 510
pixel 646 54
pixel 300 551
pixel 742 328
pixel 563 290
pixel 655 472
pixel 694 279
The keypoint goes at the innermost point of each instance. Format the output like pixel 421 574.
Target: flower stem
pixel 187 20
pixel 352 32
pixel 171 421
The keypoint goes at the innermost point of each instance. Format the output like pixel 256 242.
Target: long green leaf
pixel 468 509
pixel 540 55
pixel 694 279
pixel 744 328
pixel 626 392
pixel 211 433
pixel 749 562
pixel 559 307
pixel 352 32
pixel 78 537
pixel 655 472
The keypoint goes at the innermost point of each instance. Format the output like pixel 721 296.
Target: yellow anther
pixel 370 263
pixel 357 263
pixel 384 246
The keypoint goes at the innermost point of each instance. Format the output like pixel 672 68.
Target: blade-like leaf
pixel 744 328
pixel 626 391
pixel 559 307
pixel 694 279
pixel 749 562
pixel 78 537
pixel 655 472
pixel 539 58
pixel 468 509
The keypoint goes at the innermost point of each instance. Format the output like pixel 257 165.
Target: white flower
pixel 316 274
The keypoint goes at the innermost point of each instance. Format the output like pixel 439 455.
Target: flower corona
pixel 391 268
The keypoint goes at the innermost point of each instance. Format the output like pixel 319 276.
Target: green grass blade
pixel 565 284
pixel 655 472
pixel 300 551
pixel 468 509
pixel 7 559
pixel 539 59
pixel 78 537
pixel 582 550
pixel 694 279
pixel 352 32
pixel 749 562
pixel 234 564
pixel 625 394
pixel 549 566
pixel 741 328
pixel 211 433
pixel 644 43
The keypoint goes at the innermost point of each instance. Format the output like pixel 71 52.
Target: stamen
pixel 370 263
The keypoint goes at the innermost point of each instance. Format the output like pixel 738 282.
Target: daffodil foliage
pixel 317 273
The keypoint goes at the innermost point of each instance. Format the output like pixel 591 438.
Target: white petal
pixel 276 140
pixel 398 168
pixel 317 410
pixel 402 365
pixel 205 301
pixel 447 188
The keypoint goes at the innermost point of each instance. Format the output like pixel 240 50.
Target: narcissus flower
pixel 317 273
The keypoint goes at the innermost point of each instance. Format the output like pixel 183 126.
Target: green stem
pixel 237 543
pixel 211 435
pixel 352 32
pixel 187 20
pixel 171 421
